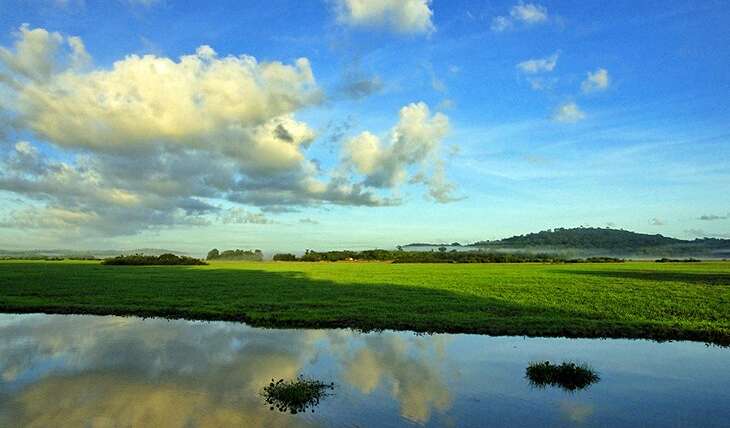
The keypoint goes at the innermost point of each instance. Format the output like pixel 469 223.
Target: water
pixel 112 371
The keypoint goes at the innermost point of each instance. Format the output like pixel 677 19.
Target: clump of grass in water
pixel 567 375
pixel 296 395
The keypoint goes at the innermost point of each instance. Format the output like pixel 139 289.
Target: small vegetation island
pixel 470 289
pixel 297 395
pixel 567 375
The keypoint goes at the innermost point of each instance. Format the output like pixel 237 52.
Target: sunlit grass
pixel 636 300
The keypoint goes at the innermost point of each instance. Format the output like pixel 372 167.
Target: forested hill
pixel 586 237
pixel 594 241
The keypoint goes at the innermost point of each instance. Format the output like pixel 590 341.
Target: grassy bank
pixel 634 300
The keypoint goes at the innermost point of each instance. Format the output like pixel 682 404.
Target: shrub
pixel 285 257
pixel 596 260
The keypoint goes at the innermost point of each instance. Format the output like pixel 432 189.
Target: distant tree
pixel 237 254
pixel 285 257
pixel 442 249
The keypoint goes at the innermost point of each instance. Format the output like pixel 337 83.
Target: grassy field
pixel 633 300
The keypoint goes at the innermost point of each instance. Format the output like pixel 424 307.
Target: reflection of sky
pixel 103 371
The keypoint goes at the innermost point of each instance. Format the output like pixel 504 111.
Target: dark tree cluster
pixel 255 255
pixel 667 260
pixel 474 257
pixel 596 260
pixel 48 258
pixel 43 258
pixel 347 255
pixel 162 259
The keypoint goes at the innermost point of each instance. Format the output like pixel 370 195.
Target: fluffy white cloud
pixel 596 81
pixel 153 141
pixel 79 57
pixel 542 83
pixel 199 100
pixel 98 194
pixel 539 65
pixel 529 13
pixel 522 13
pixel 144 3
pixel 405 16
pixel 501 23
pixel 413 148
pixel 569 113
pixel 35 52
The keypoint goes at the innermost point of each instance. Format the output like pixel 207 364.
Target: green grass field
pixel 633 300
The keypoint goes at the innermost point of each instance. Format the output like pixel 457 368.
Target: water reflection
pixel 111 371
pixel 411 373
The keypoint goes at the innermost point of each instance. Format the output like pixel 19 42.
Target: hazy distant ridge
pixel 95 253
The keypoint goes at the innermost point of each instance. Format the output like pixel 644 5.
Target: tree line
pixel 163 259
pixel 435 257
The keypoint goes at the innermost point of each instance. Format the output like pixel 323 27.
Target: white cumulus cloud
pixel 35 51
pixel 404 16
pixel 153 141
pixel 412 153
pixel 596 81
pixel 525 14
pixel 529 13
pixel 569 113
pixel 501 23
pixel 539 65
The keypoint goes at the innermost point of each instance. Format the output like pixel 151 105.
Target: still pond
pixel 98 371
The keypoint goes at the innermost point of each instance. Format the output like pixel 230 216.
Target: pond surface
pixel 94 371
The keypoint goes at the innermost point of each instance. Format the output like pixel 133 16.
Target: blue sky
pixel 408 121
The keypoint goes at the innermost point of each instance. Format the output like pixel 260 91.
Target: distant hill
pixel 586 237
pixel 606 241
